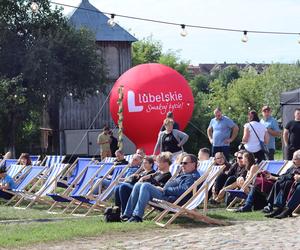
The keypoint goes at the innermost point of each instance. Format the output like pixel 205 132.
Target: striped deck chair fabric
pixel 128 157
pixel 118 172
pixel 51 160
pixel 108 160
pixel 204 165
pixel 23 182
pixel 82 186
pixel 47 187
pixel 8 162
pixel 14 170
pixel 34 159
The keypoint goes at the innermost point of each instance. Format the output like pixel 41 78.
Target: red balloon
pixel 150 92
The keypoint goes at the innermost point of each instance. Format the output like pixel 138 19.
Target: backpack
pixel 112 214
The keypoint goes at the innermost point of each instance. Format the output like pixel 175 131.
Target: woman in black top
pixel 123 190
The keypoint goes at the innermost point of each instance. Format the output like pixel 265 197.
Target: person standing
pixel 272 127
pixel 254 133
pixel 104 142
pixel 113 143
pixel 221 132
pixel 291 135
pixel 170 116
pixel 171 140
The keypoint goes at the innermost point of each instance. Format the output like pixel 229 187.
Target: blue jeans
pixel 122 194
pixel 141 194
pixel 294 201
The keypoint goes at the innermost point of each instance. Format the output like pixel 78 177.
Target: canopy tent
pixel 289 101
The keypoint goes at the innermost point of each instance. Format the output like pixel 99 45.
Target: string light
pixel 176 24
pixel 97 92
pixel 34 7
pixel 183 30
pixel 111 21
pixel 71 94
pixel 245 37
pixel 15 96
pixel 44 96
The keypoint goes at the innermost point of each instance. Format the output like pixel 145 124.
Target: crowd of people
pixel 149 177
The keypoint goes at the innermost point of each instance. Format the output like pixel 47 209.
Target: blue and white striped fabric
pixel 174 168
pixel 108 159
pixel 14 170
pixel 34 159
pixel 203 166
pixel 129 157
pixel 51 160
pixel 213 174
pixel 8 162
pixel 50 183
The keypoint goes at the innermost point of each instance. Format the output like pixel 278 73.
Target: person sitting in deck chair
pixel 6 182
pixel 145 192
pixel 280 192
pixel 158 178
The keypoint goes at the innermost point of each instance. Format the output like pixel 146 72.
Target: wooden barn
pixel 80 121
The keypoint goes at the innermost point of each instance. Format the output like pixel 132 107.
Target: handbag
pixel 263 146
pixel 263 184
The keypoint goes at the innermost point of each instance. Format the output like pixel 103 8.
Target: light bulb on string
pixel 97 91
pixel 71 94
pixel 111 21
pixel 245 37
pixel 44 96
pixel 183 30
pixel 34 7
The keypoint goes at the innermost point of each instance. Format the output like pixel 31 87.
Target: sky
pixel 210 46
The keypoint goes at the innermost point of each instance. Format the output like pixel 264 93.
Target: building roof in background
pixel 96 22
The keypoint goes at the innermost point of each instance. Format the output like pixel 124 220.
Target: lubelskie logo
pixel 163 102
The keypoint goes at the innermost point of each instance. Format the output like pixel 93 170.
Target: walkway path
pixel 271 234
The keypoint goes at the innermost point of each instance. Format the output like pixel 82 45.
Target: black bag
pixel 112 214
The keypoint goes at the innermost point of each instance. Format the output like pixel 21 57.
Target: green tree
pixel 50 58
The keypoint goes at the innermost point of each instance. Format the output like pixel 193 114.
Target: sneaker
pixel 124 218
pixel 274 213
pixel 285 213
pixel 135 219
pixel 268 209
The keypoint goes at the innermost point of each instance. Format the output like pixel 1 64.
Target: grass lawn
pixel 20 234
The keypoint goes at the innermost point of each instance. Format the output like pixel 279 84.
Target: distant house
pixel 76 134
pixel 208 68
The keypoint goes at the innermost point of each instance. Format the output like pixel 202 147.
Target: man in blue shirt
pixel 221 132
pixel 273 129
pixel 6 182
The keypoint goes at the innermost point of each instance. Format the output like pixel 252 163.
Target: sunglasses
pixel 239 158
pixel 184 163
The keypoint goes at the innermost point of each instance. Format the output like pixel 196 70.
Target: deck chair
pixel 14 170
pixel 50 160
pixel 80 185
pixel 202 168
pixel 35 159
pixel 47 187
pixel 23 183
pixel 296 212
pixel 86 188
pixel 188 209
pixel 100 200
pixel 73 171
pixel 273 167
pixel 8 162
pixel 128 157
pixel 108 159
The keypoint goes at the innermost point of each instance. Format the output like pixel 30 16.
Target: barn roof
pixel 96 21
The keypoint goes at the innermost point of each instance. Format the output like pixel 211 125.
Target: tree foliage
pixel 46 57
